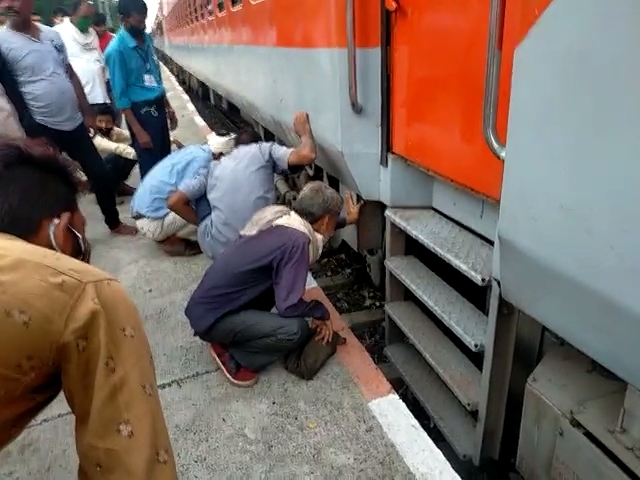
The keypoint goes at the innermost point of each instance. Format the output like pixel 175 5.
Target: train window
pixel 209 9
pixel 221 6
pixel 236 3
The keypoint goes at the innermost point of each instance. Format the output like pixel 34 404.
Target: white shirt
pixel 86 59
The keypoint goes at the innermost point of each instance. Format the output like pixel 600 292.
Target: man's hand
pixel 301 124
pixel 352 208
pixel 324 330
pixel 144 140
pixel 173 120
pixel 178 144
pixel 90 121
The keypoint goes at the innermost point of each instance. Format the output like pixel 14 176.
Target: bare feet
pixel 124 229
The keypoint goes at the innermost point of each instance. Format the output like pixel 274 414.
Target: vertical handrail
pixel 492 79
pixel 351 58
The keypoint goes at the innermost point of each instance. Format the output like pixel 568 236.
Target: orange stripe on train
pixel 281 23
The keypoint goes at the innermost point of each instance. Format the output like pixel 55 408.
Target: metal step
pixel 455 311
pixel 455 423
pixel 465 251
pixel 457 372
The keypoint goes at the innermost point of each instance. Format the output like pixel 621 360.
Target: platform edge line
pixel 423 458
pixel 185 98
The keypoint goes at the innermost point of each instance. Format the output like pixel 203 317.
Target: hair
pixel 104 109
pixel 75 6
pixel 35 184
pixel 246 137
pixel 59 12
pixel 317 200
pixel 99 20
pixel 126 8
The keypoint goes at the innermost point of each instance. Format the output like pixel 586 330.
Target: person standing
pixel 83 49
pixel 57 104
pixel 104 39
pixel 137 86
pixel 100 26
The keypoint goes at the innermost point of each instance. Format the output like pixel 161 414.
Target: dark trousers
pixel 78 145
pixel 257 339
pixel 119 167
pixel 152 117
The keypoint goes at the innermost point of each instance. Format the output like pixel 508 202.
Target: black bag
pixel 306 361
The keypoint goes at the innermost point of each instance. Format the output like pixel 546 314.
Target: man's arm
pixel 181 201
pixel 305 153
pixel 109 381
pixel 290 282
pixel 83 103
pixel 120 136
pixel 118 78
pixel 106 146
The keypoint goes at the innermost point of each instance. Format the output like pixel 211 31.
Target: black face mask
pixel 135 32
pixel 105 132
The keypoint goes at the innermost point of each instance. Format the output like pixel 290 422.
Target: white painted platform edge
pixel 192 109
pixel 421 455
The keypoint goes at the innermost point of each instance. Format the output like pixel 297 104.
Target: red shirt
pixel 104 40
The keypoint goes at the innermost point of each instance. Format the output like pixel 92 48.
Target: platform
pixel 346 423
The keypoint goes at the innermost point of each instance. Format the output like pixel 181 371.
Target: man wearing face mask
pixel 67 326
pixel 57 105
pixel 83 49
pixel 137 86
pixel 268 265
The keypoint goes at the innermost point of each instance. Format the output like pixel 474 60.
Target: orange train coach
pixel 495 144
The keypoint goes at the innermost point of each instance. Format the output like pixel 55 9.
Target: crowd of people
pixel 67 326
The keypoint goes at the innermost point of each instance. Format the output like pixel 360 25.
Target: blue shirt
pixel 167 176
pixel 134 71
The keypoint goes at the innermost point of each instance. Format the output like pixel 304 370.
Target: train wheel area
pixel 347 422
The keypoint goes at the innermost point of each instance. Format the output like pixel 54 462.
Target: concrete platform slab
pixel 219 431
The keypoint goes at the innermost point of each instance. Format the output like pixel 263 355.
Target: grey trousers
pixel 256 338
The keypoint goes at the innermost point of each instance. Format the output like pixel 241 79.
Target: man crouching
pixel 266 266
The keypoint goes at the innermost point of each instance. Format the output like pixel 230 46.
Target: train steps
pixel 439 373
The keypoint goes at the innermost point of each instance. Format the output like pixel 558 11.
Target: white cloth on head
pixel 274 215
pixel 220 145
pixel 86 59
pixel 159 229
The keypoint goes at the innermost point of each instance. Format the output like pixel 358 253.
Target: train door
pixel 437 62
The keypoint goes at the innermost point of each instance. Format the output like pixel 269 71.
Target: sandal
pixel 183 248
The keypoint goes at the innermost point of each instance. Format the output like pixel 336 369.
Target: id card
pixel 149 81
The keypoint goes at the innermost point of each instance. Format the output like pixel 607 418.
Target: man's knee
pixel 297 332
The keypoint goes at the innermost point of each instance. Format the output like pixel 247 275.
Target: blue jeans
pixel 152 117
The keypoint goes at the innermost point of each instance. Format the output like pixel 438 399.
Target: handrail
pixel 351 58
pixel 492 79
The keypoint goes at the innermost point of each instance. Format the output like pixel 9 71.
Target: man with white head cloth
pixel 179 172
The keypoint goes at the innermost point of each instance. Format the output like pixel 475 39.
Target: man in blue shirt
pixel 137 86
pixel 176 235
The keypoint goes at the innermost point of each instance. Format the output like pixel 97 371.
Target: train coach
pixel 496 144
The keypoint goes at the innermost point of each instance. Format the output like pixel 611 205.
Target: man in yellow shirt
pixel 67 326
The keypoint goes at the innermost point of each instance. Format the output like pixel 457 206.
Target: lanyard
pixel 145 57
